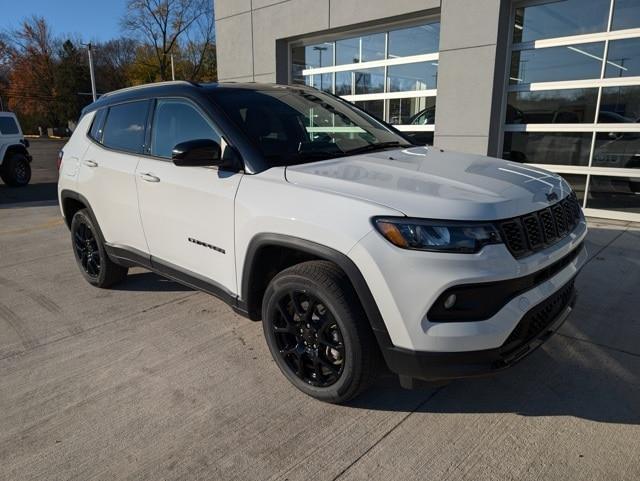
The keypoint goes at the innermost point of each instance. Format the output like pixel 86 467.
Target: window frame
pixel 385 28
pixel 594 127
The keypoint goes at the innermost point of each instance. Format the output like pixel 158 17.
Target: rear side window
pixel 177 121
pixel 97 126
pixel 124 128
pixel 8 126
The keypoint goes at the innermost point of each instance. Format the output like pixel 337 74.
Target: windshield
pixel 293 126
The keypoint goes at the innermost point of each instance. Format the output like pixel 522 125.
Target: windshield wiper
pixel 373 147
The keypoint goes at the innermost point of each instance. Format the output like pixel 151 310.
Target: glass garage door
pixel 573 101
pixel 390 73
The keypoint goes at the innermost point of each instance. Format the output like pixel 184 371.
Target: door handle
pixel 90 163
pixel 149 177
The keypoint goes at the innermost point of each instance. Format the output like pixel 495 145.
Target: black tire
pixel 16 170
pixel 344 358
pixel 90 254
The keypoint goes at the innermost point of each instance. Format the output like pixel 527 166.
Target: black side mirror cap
pixel 197 153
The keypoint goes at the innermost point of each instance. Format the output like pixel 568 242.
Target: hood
pixel 426 182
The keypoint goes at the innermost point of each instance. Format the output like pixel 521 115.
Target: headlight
pixel 437 235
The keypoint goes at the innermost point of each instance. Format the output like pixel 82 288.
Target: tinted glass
pixel 577 183
pixel 374 107
pixel 412 111
pixel 557 63
pixel 348 51
pixel 548 147
pixel 344 83
pixel 414 40
pixel 124 128
pixel 620 105
pixel 552 106
pixel 626 14
pixel 372 47
pixel 614 193
pixel 369 81
pixel 420 138
pixel 617 149
pixel 97 126
pixel 560 18
pixel 623 58
pixel 412 76
pixel 294 126
pixel 177 121
pixel 8 126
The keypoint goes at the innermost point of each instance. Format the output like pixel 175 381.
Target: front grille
pixel 533 232
pixel 540 317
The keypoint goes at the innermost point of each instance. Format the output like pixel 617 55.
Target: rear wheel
pixel 317 332
pixel 16 170
pixel 90 254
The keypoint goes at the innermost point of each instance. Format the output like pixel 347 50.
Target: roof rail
pixel 154 84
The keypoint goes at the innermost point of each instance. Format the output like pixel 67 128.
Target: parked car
pixel 354 248
pixel 15 161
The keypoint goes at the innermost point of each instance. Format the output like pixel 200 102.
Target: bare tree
pixel 163 23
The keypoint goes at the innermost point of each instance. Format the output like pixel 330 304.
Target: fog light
pixel 450 301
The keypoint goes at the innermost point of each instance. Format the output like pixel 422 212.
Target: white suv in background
pixel 15 161
pixel 354 248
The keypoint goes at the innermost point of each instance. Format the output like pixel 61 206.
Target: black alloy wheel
pixel 308 338
pixel 85 244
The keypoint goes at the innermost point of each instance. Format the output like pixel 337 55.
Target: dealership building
pixel 554 84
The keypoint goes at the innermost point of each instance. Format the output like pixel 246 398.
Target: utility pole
pixel 173 70
pixel 91 72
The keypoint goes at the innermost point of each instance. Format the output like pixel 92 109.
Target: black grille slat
pixel 533 232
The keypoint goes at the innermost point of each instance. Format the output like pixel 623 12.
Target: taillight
pixel 60 155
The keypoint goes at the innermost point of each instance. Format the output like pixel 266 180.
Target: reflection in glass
pixel 344 83
pixel 348 51
pixel 577 183
pixel 412 111
pixel 617 149
pixel 369 81
pixel 568 106
pixel 414 40
pixel 548 147
pixel 419 138
pixel 614 193
pixel 561 18
pixel 620 104
pixel 412 76
pixel 372 47
pixel 373 107
pixel 570 62
pixel 310 56
pixel 322 82
pixel 623 58
pixel 626 14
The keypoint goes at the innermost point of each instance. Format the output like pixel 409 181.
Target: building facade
pixel 551 83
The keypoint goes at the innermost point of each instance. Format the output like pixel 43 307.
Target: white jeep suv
pixel 354 248
pixel 15 161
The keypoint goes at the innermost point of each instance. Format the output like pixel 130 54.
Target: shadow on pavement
pixel 149 281
pixel 43 193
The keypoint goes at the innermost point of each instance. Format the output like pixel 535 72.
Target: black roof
pixel 164 89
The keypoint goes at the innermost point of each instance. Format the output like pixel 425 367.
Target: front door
pixel 187 212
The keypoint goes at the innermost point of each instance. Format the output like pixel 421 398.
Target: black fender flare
pixel 71 194
pixel 17 149
pixel 318 250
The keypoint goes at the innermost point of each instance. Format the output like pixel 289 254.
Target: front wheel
pixel 317 332
pixel 90 254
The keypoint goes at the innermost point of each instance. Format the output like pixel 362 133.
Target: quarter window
pixel 177 121
pixel 98 125
pixel 125 127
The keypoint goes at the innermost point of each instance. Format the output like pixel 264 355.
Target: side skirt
pixel 130 257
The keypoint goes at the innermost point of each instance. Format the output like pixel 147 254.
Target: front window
pixel 292 126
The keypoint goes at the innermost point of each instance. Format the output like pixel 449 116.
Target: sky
pixel 90 19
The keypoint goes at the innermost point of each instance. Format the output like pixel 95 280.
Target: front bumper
pixel 535 327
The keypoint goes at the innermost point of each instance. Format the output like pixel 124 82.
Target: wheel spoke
pixel 297 307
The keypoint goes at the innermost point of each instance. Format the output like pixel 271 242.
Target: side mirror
pixel 197 153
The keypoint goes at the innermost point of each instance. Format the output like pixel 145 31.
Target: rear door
pixel 187 212
pixel 107 172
